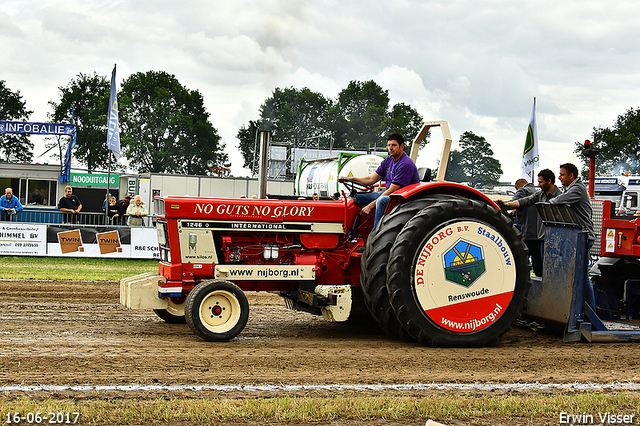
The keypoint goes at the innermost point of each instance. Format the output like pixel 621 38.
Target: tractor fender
pixel 430 188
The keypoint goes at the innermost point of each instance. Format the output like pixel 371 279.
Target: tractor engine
pixel 298 249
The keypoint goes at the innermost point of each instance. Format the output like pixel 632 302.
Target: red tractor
pixel 617 271
pixel 444 266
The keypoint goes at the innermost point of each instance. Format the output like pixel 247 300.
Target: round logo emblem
pixel 464 276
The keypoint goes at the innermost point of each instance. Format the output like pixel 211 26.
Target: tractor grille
pixel 597 207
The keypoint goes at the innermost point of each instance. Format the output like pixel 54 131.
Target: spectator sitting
pixel 38 198
pixel 136 211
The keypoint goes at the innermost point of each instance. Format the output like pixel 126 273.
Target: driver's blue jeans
pixel 381 205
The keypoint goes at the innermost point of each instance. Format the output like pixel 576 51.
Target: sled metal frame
pixel 559 297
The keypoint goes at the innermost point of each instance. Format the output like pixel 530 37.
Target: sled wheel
pixel 373 278
pixel 217 310
pixel 458 274
pixel 174 314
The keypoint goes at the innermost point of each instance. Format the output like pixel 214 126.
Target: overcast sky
pixel 476 64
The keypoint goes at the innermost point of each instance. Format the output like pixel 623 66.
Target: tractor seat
pixel 424 173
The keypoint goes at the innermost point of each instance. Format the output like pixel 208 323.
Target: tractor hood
pixel 254 210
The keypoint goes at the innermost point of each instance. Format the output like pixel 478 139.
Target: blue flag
pixel 64 177
pixel 113 129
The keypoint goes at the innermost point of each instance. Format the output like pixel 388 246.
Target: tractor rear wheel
pixel 373 278
pixel 217 310
pixel 174 314
pixel 458 274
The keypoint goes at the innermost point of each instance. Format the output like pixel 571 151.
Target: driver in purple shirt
pixel 397 170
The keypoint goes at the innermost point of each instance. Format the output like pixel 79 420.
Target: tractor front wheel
pixel 217 310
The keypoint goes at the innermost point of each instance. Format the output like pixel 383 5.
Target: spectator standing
pixel 9 204
pixel 136 211
pixel 575 194
pixel 71 205
pixel 530 225
pixel 114 211
pixel 107 200
pixel 124 205
pixel 546 182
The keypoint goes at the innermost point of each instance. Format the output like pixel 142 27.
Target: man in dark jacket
pixel 123 205
pixel 71 205
pixel 576 195
pixel 530 225
pixel 546 182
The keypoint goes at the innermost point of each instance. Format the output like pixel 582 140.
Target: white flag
pixel 113 128
pixel 530 156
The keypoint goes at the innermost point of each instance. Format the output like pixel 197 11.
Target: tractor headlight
pixel 161 236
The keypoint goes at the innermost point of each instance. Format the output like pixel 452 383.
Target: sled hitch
pixel 314 299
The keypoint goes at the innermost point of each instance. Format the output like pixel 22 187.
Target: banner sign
pixel 37 128
pixel 93 179
pixel 23 239
pixel 102 241
pixel 26 239
pixel 144 243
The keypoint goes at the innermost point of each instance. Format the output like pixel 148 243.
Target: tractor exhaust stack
pixel 265 137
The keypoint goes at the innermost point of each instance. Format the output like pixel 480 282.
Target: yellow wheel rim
pixel 220 311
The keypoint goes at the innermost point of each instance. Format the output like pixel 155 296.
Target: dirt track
pixel 76 333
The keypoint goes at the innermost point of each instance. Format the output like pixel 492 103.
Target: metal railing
pixel 82 218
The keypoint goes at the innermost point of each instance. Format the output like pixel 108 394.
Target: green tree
pixel 454 172
pixel 403 119
pixel 294 116
pixel 359 117
pixel 165 127
pixel 248 137
pixel 14 147
pixel 474 163
pixel 619 146
pixel 88 96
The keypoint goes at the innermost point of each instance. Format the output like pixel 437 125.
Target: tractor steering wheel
pixel 355 187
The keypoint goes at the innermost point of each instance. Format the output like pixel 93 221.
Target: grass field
pixel 459 409
pixel 77 268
